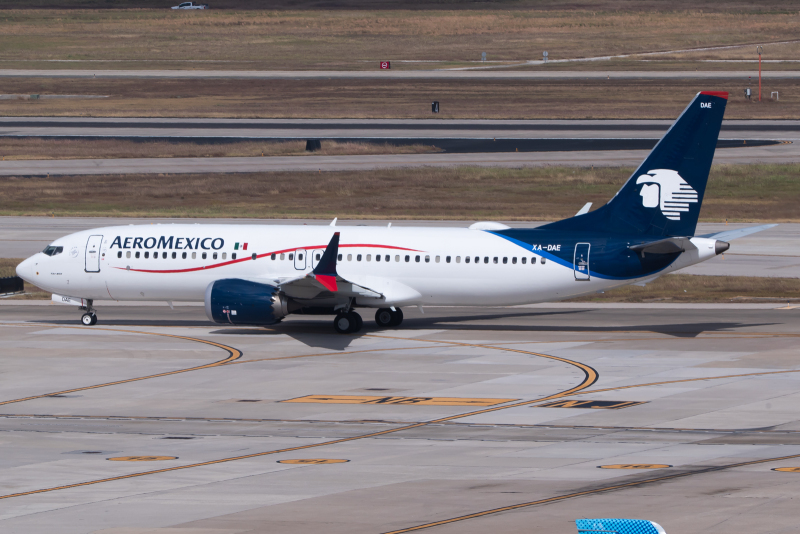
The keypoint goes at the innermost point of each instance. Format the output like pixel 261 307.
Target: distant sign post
pixel 759 49
pixel 435 107
pixel 386 65
pixel 544 55
pixel 483 56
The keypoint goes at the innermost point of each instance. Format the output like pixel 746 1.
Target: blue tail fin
pixel 663 197
pixel 617 526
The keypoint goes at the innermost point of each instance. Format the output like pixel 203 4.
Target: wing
pixel 324 281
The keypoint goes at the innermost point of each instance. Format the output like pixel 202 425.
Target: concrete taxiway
pixel 463 420
pixel 772 253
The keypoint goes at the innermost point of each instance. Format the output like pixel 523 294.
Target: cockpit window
pixel 50 250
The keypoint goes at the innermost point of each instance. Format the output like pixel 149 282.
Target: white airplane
pixel 259 274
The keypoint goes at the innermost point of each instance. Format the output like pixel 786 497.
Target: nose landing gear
pixel 90 317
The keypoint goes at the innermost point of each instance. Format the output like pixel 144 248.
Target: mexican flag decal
pixel 237 247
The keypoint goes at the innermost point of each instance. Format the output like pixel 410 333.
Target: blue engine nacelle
pixel 236 301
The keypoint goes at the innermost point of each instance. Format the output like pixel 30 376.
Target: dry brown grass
pixel 12 148
pixel 359 39
pixel 736 193
pixel 690 288
pixel 504 99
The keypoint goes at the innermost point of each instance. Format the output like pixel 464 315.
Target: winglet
pixel 325 271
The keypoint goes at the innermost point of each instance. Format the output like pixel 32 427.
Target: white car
pixel 190 5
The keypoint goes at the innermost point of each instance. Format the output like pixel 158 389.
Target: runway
pixel 779 153
pixel 514 74
pixel 463 420
pixel 375 128
pixel 771 253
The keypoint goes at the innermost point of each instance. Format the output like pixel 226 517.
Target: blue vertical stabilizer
pixel 663 197
pixel 618 526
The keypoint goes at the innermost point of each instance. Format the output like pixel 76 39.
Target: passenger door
pixel 581 261
pixel 93 253
pixel 300 259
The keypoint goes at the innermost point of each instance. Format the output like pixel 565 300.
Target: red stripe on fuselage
pixel 250 258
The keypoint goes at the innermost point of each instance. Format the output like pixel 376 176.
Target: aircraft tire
pixel 357 323
pixel 384 317
pixel 87 320
pixel 94 319
pixel 342 323
pixel 397 317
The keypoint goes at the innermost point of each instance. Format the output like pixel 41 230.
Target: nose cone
pixel 25 270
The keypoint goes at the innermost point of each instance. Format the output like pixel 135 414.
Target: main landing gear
pixel 387 317
pixel 90 317
pixel 350 322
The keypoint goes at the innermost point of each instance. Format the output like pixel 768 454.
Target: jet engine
pixel 242 302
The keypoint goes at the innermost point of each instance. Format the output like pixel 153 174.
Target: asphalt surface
pixel 155 419
pixel 376 128
pixel 396 74
pixel 771 253
pixel 779 153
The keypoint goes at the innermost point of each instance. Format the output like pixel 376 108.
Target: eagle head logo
pixel 665 189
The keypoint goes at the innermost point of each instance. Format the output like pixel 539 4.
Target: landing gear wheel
pixel 384 317
pixel 89 319
pixel 94 319
pixel 397 318
pixel 358 322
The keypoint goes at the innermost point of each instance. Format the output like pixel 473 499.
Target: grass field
pixel 505 99
pixel 735 192
pixel 358 39
pixel 12 148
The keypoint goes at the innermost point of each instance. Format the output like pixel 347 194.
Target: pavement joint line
pixel 590 492
pixel 590 376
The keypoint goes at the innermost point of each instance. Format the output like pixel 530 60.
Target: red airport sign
pixel 386 64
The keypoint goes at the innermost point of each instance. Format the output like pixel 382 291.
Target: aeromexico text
pixel 171 242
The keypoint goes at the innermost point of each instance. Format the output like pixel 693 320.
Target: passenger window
pixel 495 259
pixel 478 259
pixel 224 255
pixel 523 260
pixel 174 255
pixel 533 260
pixel 544 260
pixel 205 255
pixel 128 254
pixel 340 257
pixel 486 259
pixel 514 260
pixel 146 255
pixel 377 257
pixel 358 257
pixel 214 255
pixel 299 257
pixel 291 256
pixel 505 261
pixel 349 257
pixel 446 259
pixel 319 257
pixel 183 256
pixel 137 253
pixel 397 258
pixel 408 258
pixel 427 259
pixel 386 258
pixel 458 259
pixel 194 255
pixel 254 256
pixel 417 259
pixel 164 255
pixel 272 257
pixel 233 256
pixel 466 259
pixel 369 257
pixel 119 254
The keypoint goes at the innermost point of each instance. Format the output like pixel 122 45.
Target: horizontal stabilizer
pixel 618 526
pixel 729 235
